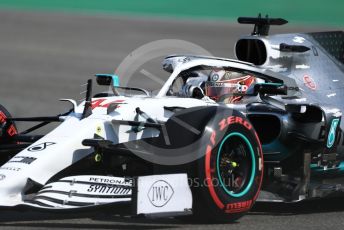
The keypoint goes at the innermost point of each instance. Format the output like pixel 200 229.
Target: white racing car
pixel 196 147
pixel 175 153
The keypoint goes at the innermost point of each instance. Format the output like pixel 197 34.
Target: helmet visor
pixel 215 90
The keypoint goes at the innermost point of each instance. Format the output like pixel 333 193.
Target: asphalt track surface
pixel 46 56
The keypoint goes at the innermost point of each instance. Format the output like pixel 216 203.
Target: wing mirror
pixel 270 88
pixel 107 79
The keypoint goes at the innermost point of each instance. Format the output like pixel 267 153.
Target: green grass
pixel 296 11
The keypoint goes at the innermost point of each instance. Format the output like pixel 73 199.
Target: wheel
pixel 231 171
pixel 6 129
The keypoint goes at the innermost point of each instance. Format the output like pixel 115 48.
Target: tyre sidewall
pixel 213 196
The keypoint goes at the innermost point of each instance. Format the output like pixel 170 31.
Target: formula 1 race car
pixel 219 135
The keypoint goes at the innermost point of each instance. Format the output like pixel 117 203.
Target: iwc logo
pixel 160 193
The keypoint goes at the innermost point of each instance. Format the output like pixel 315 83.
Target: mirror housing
pixel 270 88
pixel 107 79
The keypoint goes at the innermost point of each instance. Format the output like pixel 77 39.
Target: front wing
pixel 167 194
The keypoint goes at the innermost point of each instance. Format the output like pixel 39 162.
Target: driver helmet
pixel 228 86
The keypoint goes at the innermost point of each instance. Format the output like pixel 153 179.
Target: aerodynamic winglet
pixel 262 25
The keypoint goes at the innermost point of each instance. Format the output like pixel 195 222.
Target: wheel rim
pixel 235 164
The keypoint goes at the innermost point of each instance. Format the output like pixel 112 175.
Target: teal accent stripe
pixel 316 168
pixel 271 83
pixel 242 193
pixel 332 134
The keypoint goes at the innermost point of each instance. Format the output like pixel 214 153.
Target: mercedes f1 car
pixel 219 135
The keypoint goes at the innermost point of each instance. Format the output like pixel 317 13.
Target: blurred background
pixel 306 12
pixel 49 48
